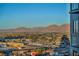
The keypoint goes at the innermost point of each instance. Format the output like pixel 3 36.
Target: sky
pixel 33 14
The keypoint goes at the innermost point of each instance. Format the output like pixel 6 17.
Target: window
pixel 74 6
pixel 76 27
pixel 75 24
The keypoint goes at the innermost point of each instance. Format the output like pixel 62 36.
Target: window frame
pixel 76 28
pixel 73 4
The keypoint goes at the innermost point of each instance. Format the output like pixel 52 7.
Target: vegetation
pixel 19 40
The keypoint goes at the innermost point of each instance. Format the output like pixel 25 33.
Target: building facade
pixel 74 28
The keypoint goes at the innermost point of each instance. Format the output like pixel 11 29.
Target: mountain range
pixel 51 28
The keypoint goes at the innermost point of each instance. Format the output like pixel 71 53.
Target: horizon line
pixel 35 26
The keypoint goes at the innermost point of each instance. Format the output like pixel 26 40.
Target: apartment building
pixel 74 28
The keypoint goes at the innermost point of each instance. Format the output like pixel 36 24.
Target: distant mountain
pixel 52 28
pixel 57 28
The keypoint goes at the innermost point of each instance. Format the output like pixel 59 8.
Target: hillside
pixel 51 28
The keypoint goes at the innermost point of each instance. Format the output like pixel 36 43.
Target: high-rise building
pixel 74 28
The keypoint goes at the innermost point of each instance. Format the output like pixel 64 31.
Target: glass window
pixel 75 24
pixel 76 27
pixel 74 6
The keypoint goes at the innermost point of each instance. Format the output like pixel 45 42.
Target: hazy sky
pixel 33 15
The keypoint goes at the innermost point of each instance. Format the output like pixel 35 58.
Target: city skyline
pixel 33 14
